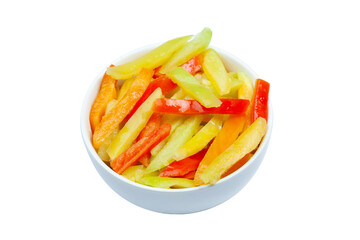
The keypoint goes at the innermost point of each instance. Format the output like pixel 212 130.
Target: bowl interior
pixel 231 62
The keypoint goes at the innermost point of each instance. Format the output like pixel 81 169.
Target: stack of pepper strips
pixel 160 141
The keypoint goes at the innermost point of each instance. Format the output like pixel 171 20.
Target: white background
pixel 306 188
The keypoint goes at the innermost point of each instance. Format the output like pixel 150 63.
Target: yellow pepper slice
pixel 245 143
pixel 215 71
pixel 201 138
pixel 103 147
pixel 246 89
pixel 125 87
pixel 133 126
pixel 151 60
pixel 167 182
pixel 135 173
pixel 110 105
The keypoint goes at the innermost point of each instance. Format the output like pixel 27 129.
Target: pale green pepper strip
pixel 194 47
pixel 167 182
pixel 181 135
pixel 201 138
pixel 193 88
pixel 176 122
pixel 151 60
pixel 133 126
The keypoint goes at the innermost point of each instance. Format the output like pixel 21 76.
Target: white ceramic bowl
pixel 173 200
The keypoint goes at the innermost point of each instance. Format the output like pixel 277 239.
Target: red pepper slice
pixel 180 168
pixel 163 82
pixel 193 65
pixel 152 125
pixel 190 107
pixel 145 160
pixel 260 100
pixel 189 175
pixel 184 167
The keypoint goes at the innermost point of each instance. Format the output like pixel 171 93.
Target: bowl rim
pixel 84 116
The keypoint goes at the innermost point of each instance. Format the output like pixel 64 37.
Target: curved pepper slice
pixel 190 107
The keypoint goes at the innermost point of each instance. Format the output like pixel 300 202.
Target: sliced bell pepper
pixel 227 136
pixel 102 149
pixel 192 87
pixel 162 82
pixel 237 165
pixel 260 100
pixel 122 108
pixel 189 175
pixel 110 105
pixel 157 72
pixel 175 122
pixel 180 168
pixel 235 85
pixel 200 139
pixel 192 48
pixel 139 149
pixel 183 167
pixel 153 124
pixel 243 145
pixel 193 65
pixel 246 89
pixel 167 182
pixel 133 126
pixel 180 136
pixel 106 94
pixel 135 173
pixel 125 87
pixel 190 107
pixel 145 160
pixel 152 59
pixel 215 71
